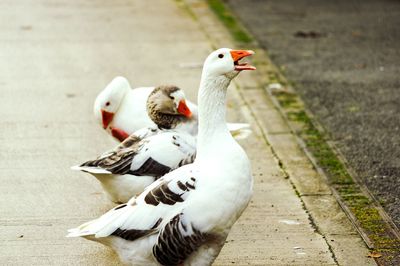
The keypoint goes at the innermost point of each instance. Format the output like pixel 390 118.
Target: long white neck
pixel 211 111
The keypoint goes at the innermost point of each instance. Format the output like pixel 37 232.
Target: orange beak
pixel 239 54
pixel 184 109
pixel 106 117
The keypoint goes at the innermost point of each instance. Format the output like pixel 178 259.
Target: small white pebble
pixel 300 253
pixel 275 86
pixel 291 222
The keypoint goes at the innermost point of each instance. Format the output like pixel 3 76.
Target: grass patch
pixel 225 15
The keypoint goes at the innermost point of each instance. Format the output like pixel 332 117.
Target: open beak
pixel 106 117
pixel 239 54
pixel 184 109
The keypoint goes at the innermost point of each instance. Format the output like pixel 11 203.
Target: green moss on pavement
pixel 349 191
pixel 225 15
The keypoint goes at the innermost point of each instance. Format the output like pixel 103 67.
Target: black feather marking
pixel 117 162
pixel 151 199
pixel 152 168
pixel 120 207
pixel 172 247
pixel 162 193
pixel 163 197
pixel 189 185
pixel 181 185
pixel 132 234
pixel 157 223
pixel 170 196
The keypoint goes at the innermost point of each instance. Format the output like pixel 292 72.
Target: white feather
pixel 91 170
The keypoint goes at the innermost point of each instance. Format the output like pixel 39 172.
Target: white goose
pixel 122 111
pixel 148 153
pixel 184 217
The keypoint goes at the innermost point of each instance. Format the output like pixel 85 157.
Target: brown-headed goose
pixel 122 110
pixel 184 217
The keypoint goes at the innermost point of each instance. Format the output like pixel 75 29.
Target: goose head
pixel 109 100
pixel 226 62
pixel 166 104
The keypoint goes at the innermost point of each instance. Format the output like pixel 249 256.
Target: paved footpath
pixel 57 55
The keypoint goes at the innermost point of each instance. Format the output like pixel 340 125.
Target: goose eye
pixel 107 103
pixel 220 55
pixel 172 97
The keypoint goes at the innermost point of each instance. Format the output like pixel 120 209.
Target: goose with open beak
pixel 184 217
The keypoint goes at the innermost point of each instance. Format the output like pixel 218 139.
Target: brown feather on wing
pixel 129 142
pixel 116 162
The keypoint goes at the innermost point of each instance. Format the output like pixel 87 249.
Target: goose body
pixel 139 161
pixel 184 217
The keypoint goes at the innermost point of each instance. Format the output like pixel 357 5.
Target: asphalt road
pixel 343 57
